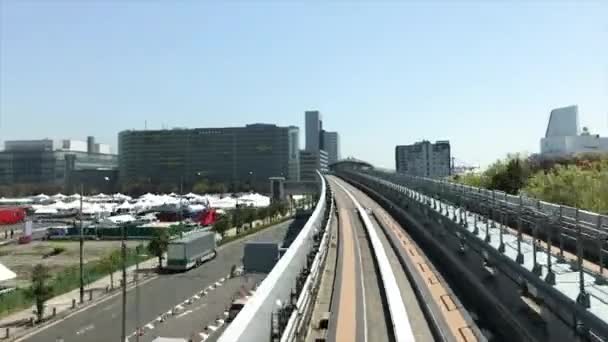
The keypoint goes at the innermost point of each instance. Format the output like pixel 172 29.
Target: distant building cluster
pixel 424 159
pixel 564 137
pixel 322 147
pixel 237 157
pixel 62 163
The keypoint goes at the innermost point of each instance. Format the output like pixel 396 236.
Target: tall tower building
pixel 331 144
pixel 313 130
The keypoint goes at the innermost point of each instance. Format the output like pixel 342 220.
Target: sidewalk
pixel 69 302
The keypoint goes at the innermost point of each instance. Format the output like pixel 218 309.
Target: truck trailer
pixel 191 251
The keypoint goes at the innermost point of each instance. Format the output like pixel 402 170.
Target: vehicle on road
pixel 191 251
pixel 236 307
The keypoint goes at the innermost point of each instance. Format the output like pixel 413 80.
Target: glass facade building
pixel 44 162
pixel 233 155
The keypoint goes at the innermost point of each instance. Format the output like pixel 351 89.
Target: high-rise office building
pixel 313 130
pixel 424 159
pixel 247 155
pixel 331 144
pixel 310 162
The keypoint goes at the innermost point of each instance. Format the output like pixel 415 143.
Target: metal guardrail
pixel 303 307
pixel 399 318
pixel 593 222
pixel 254 321
pixel 572 306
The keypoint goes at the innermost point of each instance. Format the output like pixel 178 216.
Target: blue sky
pixel 482 74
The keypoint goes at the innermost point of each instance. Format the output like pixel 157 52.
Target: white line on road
pixel 184 314
pixel 85 329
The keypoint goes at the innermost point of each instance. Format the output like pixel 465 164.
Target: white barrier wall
pixel 253 322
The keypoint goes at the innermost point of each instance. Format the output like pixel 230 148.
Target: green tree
pixel 40 290
pixel 222 225
pixel 158 245
pixel 201 187
pixel 109 264
pixel 249 216
pixel 237 218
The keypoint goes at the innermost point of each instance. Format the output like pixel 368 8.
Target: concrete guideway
pixel 447 317
pixel 389 300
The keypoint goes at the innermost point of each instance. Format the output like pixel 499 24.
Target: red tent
pixel 11 215
pixel 207 217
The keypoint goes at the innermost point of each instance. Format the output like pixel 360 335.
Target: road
pixel 103 322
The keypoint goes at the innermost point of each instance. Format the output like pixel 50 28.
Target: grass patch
pixel 69 279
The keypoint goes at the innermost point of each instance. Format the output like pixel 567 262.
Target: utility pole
pixel 81 248
pixel 124 284
pixel 137 298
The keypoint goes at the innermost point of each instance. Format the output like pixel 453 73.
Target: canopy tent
pixel 41 197
pixel 122 197
pixel 125 206
pixel 118 219
pixel 58 196
pixel 46 210
pixel 6 274
pixel 4 200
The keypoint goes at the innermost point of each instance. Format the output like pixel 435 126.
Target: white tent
pixel 41 197
pixel 59 196
pixel 125 206
pixel 122 197
pixel 222 203
pixel 257 200
pixel 118 219
pixel 46 210
pixel 6 274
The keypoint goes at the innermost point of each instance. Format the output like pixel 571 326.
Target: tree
pixel 237 218
pixel 249 216
pixel 40 290
pixel 221 226
pixel 201 187
pixel 109 264
pixel 158 245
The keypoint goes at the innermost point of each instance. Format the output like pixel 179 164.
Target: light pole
pixel 124 283
pixel 81 247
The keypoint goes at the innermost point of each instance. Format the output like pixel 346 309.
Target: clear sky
pixel 482 74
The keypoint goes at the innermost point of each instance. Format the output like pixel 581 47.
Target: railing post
pixel 599 279
pixel 488 239
pixel 583 297
pixel 550 277
pixel 520 257
pixel 536 268
pixel 560 232
pixel 501 246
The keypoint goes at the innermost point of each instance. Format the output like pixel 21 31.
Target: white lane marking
pixel 107 308
pixel 184 314
pixel 85 329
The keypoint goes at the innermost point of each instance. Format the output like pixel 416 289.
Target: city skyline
pixel 488 70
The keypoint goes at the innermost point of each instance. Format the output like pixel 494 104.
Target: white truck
pixel 191 251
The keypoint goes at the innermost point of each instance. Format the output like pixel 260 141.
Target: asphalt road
pixel 203 312
pixel 103 322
